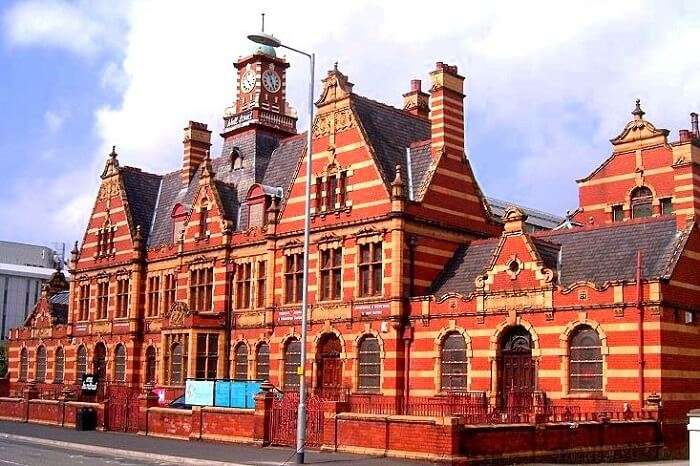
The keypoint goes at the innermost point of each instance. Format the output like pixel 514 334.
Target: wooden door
pixel 330 366
pixel 517 369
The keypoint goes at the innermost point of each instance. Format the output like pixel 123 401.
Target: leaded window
pixel 585 361
pixel 40 375
pixel 240 371
pixel 23 364
pixel 262 362
pixel 292 362
pixel 453 363
pixel 120 363
pixel 369 365
pixel 640 200
pixel 151 365
pixel 81 363
pixel 59 365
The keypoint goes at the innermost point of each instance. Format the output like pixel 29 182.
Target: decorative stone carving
pixel 177 313
pixel 250 319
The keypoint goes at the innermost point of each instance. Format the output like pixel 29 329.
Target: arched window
pixel 40 375
pixel 640 202
pixel 292 361
pixel 120 363
pixel 151 365
pixel 81 363
pixel 262 362
pixel 99 361
pixel 176 366
pixel 369 365
pixel 240 371
pixel 59 365
pixel 23 364
pixel 585 361
pixel 236 159
pixel 453 362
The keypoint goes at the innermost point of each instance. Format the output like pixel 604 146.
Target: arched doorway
pixel 516 368
pixel 328 364
pixel 99 362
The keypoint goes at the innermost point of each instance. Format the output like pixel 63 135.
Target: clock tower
pixel 260 96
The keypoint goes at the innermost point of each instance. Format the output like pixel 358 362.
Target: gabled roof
pixel 535 217
pixel 141 193
pixel 591 254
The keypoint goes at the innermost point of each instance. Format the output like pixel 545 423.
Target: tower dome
pixel 264 49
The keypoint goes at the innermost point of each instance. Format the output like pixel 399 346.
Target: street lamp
pixel 271 41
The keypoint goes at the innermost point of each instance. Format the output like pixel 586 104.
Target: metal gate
pixel 283 422
pixel 122 408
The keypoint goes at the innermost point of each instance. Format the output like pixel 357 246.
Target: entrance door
pixel 517 369
pixel 330 367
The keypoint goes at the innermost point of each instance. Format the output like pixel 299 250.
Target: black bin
pixel 85 419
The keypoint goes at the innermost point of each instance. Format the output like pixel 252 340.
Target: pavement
pixel 23 444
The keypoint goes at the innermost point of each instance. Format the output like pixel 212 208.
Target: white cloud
pixel 82 27
pixel 548 83
pixel 54 119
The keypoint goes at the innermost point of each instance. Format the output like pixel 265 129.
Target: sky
pixel 547 84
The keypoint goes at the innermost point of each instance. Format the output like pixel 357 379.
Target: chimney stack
pixel 196 144
pixel 694 124
pixel 415 101
pixel 447 111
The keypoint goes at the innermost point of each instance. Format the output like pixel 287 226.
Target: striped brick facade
pixel 410 254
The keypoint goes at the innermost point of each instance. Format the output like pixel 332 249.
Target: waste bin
pixel 85 419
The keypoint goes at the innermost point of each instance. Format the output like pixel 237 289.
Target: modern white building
pixel 23 269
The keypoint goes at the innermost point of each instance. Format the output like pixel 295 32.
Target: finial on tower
pixel 113 154
pixel 112 165
pixel 638 112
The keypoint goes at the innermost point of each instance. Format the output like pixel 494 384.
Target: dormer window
pixel 331 191
pixel 105 239
pixel 178 215
pixel 640 201
pixel 236 159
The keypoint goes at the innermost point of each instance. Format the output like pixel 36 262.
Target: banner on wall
pixel 199 392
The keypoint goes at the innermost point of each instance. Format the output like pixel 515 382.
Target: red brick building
pixel 416 289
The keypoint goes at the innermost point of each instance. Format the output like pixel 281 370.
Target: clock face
pixel 248 81
pixel 272 81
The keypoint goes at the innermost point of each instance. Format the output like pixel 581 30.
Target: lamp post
pixel 271 41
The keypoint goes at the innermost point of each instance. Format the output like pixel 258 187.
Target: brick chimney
pixel 196 144
pixel 447 110
pixel 415 101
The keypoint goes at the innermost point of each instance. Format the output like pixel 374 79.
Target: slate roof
pixel 391 131
pixel 141 193
pixel 537 218
pixel 598 254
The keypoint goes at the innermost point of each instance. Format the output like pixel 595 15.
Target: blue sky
pixel 548 83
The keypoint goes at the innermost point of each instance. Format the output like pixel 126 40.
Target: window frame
pixel 371 266
pixel 262 362
pixel 244 284
pixel 290 377
pixel 260 284
pixel 81 362
pixel 454 363
pixel 202 289
pixel 59 365
pixel 207 356
pixel 666 206
pixel 240 361
pixel 639 201
pixel 153 296
pixel 331 274
pixel 169 291
pixel 363 365
pixel 122 298
pixel 617 213
pixel 151 370
pixel 120 361
pixel 102 300
pixel 41 364
pixel 293 277
pixel 84 302
pixel 578 375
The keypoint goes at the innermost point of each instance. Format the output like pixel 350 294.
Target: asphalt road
pixel 14 453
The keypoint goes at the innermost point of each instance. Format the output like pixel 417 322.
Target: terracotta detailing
pixel 197 142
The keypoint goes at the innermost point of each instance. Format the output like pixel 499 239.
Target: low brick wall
pixel 48 412
pixel 203 423
pixel 397 436
pixel 13 409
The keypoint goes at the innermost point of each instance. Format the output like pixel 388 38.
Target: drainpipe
pixel 407 329
pixel 640 328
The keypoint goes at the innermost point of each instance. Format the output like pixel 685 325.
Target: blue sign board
pixel 222 393
pixel 199 392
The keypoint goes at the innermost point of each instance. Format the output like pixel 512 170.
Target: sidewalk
pixel 187 452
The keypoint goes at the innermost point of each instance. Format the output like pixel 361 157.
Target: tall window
pixel 369 365
pixel 122 297
pixel 293 277
pixel 120 363
pixel 617 213
pixel 262 362
pixel 59 365
pixel 105 239
pixel 151 365
pixel 453 363
pixel 292 362
pixel 240 371
pixel 203 219
pixel 666 206
pixel 640 200
pixel 23 364
pixel 84 302
pixel 331 192
pixel 207 355
pixel 153 296
pixel 40 375
pixel 331 273
pixel 170 290
pixel 260 285
pixel 371 269
pixel 201 288
pixel 585 361
pixel 102 299
pixel 81 363
pixel 243 284
pixel 178 365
